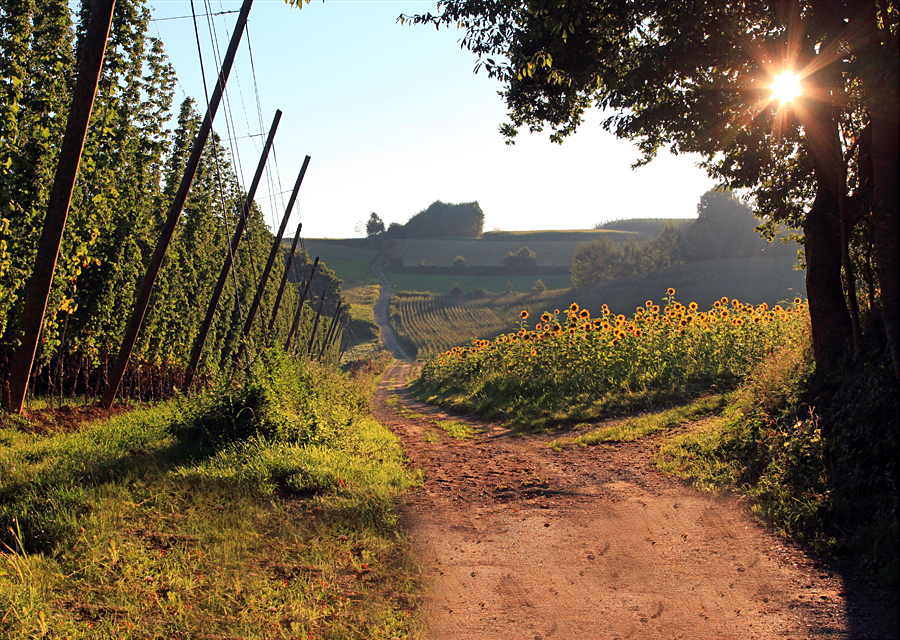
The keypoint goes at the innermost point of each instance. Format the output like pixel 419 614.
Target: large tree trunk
pixel 830 321
pixel 885 111
pixel 831 329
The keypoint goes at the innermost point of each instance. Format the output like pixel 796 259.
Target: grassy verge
pixel 816 456
pixel 262 511
pixel 648 424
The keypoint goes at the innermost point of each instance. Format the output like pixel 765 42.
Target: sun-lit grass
pixel 257 513
pixel 648 424
pixel 458 429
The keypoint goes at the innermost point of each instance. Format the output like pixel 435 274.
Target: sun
pixel 786 87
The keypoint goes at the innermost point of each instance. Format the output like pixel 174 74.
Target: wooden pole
pixel 330 331
pixel 296 323
pixel 162 245
pixel 37 291
pixel 276 247
pixel 316 324
pixel 284 278
pixel 229 259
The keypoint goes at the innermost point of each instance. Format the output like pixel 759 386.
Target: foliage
pixel 155 523
pixel 443 220
pixel 601 261
pixel 697 77
pixel 131 166
pixel 375 225
pixel 574 364
pixel 524 258
pixel 817 455
pixel 724 228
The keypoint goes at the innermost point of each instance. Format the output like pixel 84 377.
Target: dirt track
pixel 523 542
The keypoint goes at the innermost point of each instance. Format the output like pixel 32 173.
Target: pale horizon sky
pixel 394 118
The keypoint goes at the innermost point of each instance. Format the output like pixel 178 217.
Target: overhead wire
pixel 222 203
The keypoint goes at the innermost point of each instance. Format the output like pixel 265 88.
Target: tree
pixel 596 262
pixel 524 258
pixel 459 263
pixel 724 228
pixel 697 77
pixel 375 225
pixel 446 220
pixel 538 286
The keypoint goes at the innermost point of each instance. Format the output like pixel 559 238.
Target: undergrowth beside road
pixel 261 510
pixel 817 455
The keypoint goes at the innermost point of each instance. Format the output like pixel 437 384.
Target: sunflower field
pixel 572 358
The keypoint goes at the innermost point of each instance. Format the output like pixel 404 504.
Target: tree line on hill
pixel 725 227
pixel 438 220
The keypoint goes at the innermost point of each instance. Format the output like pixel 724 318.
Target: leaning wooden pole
pixel 273 253
pixel 284 278
pixel 37 291
pixel 312 336
pixel 299 314
pixel 327 340
pixel 229 259
pixel 162 245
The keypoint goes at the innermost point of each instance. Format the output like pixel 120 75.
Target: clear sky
pixel 394 118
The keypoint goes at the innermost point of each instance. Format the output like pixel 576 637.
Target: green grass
pixel 256 512
pixel 351 260
pixel 458 429
pixel 648 424
pixel 439 252
pixel 442 284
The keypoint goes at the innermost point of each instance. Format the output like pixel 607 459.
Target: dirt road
pixel 523 542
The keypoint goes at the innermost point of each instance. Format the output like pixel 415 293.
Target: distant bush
pixel 524 258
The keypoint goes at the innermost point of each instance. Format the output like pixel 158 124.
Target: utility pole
pixel 37 291
pixel 284 278
pixel 316 324
pixel 162 245
pixel 296 323
pixel 226 267
pixel 276 247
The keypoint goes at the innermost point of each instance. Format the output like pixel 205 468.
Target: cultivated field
pixel 437 323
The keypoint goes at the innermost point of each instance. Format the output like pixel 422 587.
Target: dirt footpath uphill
pixel 382 313
pixel 525 543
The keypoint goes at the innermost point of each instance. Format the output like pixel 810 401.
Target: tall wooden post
pixel 226 266
pixel 297 316
pixel 330 331
pixel 276 247
pixel 312 337
pixel 284 278
pixel 162 245
pixel 37 291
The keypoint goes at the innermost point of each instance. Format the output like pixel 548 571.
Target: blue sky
pixel 394 118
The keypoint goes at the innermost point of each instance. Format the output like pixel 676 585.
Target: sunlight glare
pixel 786 87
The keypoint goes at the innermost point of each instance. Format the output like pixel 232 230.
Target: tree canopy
pixel 443 220
pixel 697 77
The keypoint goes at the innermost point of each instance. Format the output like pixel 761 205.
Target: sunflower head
pixel 546 317
pixel 670 291
pixel 524 315
pixel 573 308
